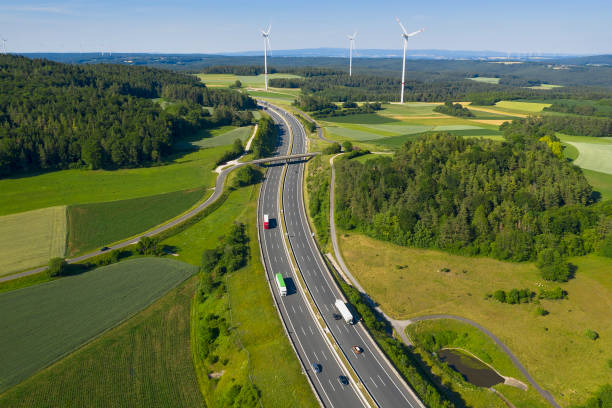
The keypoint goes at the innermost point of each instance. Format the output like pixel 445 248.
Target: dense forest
pixel 454 109
pixel 514 200
pixel 55 115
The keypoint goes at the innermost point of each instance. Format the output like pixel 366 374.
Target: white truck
pixel 344 311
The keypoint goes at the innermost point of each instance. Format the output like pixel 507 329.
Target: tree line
pixel 56 115
pixel 454 109
pixel 513 200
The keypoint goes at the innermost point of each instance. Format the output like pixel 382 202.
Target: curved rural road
pixel 216 194
pixel 400 325
pixel 319 128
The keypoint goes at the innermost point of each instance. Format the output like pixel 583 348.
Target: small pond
pixel 473 370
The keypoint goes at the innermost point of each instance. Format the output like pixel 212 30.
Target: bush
pixel 149 246
pixel 333 148
pixel 591 334
pixel 500 296
pixel 552 266
pixel 541 312
pixel 247 175
pixel 57 267
pixel 553 294
pixel 347 146
pixel 606 247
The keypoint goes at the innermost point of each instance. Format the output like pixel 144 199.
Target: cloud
pixel 35 9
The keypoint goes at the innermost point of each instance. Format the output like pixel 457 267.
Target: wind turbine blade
pixel 416 32
pixel 354 35
pixel 401 25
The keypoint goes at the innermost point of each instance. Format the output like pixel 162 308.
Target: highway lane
pixel 382 381
pixel 302 327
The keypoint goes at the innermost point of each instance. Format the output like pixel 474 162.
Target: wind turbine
pixel 266 36
pixel 405 36
pixel 4 40
pixel 351 47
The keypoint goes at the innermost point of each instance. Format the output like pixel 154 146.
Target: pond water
pixel 473 370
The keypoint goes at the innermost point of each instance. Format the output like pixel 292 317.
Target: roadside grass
pixel 31 238
pixel 256 327
pixel 24 282
pixel 45 322
pixel 145 361
pixel 182 171
pixel 486 80
pixel 407 282
pixel 97 224
pixel 473 340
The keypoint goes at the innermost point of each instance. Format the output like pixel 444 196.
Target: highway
pixel 302 327
pixel 382 381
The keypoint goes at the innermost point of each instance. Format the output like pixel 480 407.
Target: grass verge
pixel 146 361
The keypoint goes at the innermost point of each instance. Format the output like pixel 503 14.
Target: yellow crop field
pixel 31 238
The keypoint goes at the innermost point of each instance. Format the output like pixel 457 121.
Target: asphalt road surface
pixel 378 376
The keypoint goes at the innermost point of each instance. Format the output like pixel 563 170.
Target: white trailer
pixel 280 283
pixel 344 311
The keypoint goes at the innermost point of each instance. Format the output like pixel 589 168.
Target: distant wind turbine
pixel 405 36
pixel 4 40
pixel 266 36
pixel 351 48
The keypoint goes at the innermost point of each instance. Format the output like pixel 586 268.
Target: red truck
pixel 266 222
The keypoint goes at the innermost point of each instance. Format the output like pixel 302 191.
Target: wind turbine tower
pixel 266 36
pixel 351 48
pixel 4 40
pixel 405 36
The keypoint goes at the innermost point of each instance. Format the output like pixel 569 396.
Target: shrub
pixel 247 175
pixel 553 294
pixel 347 145
pixel 606 247
pixel 541 311
pixel 149 246
pixel 552 266
pixel 500 296
pixel 591 334
pixel 333 148
pixel 57 267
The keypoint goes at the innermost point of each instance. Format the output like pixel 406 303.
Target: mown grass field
pixel 31 238
pixel 182 172
pixel 486 80
pixel 553 348
pixel 596 157
pixel 272 360
pixel 521 107
pixel 145 361
pixel 94 225
pixel 473 340
pixel 45 322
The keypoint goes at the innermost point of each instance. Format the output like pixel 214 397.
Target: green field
pixel 42 323
pixel 31 238
pixel 596 157
pixel 486 80
pixel 521 107
pixel 66 187
pixel 145 361
pixel 223 136
pixel 253 81
pixel 94 225
pixel 553 348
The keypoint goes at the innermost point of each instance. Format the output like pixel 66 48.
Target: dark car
pixel 337 316
pixel 104 249
pixel 343 380
pixel 316 367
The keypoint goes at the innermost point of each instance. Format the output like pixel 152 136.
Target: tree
pixel 347 145
pixel 149 246
pixel 247 175
pixel 333 148
pixel 57 267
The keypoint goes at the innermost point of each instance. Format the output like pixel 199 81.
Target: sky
pixel 203 26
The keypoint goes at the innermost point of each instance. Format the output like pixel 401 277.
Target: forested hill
pixel 509 200
pixel 56 115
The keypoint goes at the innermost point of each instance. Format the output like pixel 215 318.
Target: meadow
pixel 409 282
pixel 45 322
pixel 486 80
pixel 145 361
pixel 93 225
pixel 65 187
pixel 469 338
pixel 223 136
pixel 31 238
pixel 258 337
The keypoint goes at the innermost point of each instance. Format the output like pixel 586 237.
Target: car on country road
pixel 104 248
pixel 357 350
pixel 343 380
